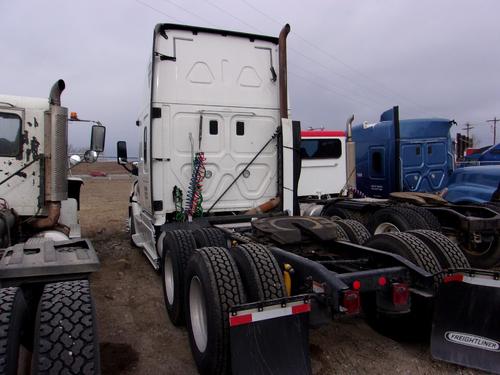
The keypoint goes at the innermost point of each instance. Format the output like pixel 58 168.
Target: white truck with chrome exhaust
pixel 48 317
pixel 215 209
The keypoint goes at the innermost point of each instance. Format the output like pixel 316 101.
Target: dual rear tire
pixel 64 336
pixel 12 314
pixel 431 251
pixel 202 284
pixel 216 280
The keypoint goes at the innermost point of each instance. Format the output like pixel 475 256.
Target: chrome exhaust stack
pixel 55 158
pixel 283 72
pixel 350 155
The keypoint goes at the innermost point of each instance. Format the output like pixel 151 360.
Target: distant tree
pixel 72 149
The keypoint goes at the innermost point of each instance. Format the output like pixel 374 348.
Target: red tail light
pixel 453 278
pixel 400 294
pixel 351 302
pixel 382 281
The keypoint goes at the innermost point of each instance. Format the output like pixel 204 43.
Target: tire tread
pixel 65 333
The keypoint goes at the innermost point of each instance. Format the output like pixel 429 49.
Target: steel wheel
pixel 198 314
pixel 386 227
pixel 168 276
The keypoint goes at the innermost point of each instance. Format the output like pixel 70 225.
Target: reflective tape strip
pixel 269 312
pixel 476 280
pixel 482 281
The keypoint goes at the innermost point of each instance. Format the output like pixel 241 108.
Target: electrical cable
pixel 260 31
pixel 246 167
pixel 335 58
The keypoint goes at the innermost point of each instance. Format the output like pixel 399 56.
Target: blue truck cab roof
pixel 425 153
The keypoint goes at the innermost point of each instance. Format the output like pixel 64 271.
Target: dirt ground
pixel 137 337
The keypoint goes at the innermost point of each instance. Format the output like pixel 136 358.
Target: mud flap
pixel 271 339
pixel 466 326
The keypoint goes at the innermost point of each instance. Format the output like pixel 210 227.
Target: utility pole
pixel 467 128
pixel 494 121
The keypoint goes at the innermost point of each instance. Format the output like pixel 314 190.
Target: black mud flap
pixel 271 339
pixel 466 326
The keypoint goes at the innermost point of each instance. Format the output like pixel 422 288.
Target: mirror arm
pixel 132 170
pixel 74 165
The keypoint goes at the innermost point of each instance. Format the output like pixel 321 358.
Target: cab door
pixel 20 149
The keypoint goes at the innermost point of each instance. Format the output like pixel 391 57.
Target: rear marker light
pixel 382 281
pixel 457 277
pixel 351 302
pixel 356 285
pixel 400 294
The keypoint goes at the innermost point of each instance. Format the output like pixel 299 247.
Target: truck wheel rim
pixel 478 252
pixel 198 314
pixel 169 279
pixel 386 227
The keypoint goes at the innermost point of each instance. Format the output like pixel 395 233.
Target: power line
pixel 327 68
pixel 494 121
pixel 329 88
pixel 191 13
pixel 323 79
pixel 157 10
pixel 258 30
pixel 334 58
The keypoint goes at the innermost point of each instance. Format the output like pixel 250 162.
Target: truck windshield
pixel 320 148
pixel 10 134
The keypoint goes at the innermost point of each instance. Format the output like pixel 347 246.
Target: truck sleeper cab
pixel 216 103
pixel 322 152
pixel 412 155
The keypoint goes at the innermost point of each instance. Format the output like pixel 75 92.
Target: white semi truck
pixel 47 317
pixel 215 209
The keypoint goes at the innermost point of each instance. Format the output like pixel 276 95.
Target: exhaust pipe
pixel 49 222
pixel 350 155
pixel 55 92
pixel 283 97
pixel 283 72
pixel 56 148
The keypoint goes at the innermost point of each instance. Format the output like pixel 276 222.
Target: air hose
pixel 179 212
pixel 194 196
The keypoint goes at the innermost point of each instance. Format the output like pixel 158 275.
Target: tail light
pixel 351 302
pixel 400 294
pixel 456 277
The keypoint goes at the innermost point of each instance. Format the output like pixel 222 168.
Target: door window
pixel 320 148
pixel 10 134
pixel 377 163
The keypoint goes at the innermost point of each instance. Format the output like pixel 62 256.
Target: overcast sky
pixel 433 58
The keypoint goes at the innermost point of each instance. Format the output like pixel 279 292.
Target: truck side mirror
pixel 90 156
pixel 121 152
pixel 97 138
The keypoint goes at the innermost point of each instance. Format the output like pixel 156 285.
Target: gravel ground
pixel 137 338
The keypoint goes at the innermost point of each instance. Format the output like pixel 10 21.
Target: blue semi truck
pixel 403 155
pixel 398 165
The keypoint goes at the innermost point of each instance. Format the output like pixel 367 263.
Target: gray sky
pixel 433 58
